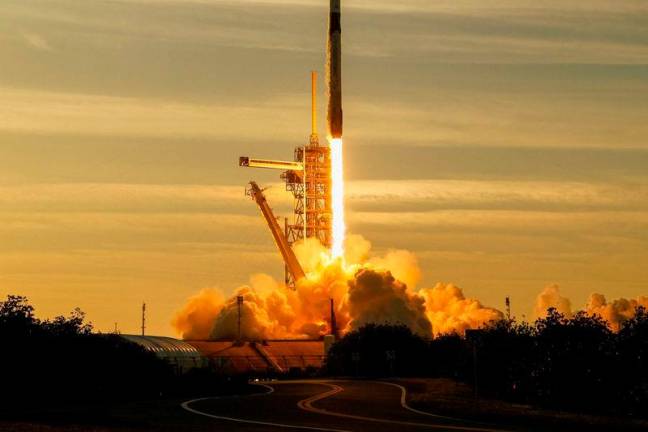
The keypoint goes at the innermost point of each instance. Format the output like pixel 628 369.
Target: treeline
pixel 557 362
pixel 61 361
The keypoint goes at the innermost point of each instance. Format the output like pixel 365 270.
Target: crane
pixel 292 264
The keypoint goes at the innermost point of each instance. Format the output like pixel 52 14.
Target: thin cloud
pixel 508 222
pixel 423 195
pixel 132 198
pixel 37 41
pixel 36 111
pixel 450 31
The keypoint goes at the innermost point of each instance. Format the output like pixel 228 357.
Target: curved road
pixel 333 406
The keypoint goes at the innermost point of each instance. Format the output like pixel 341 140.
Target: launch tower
pixel 315 177
pixel 308 178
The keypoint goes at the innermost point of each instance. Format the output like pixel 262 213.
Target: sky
pixel 504 142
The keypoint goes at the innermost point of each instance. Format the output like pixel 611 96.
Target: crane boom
pixel 245 161
pixel 282 243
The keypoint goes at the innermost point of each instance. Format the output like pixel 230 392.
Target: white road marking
pixel 270 389
pixel 185 405
pixel 306 405
pixel 403 401
pixel 409 408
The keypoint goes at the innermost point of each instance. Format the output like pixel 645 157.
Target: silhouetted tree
pixel 504 351
pixel 632 363
pixel 573 360
pixel 60 360
pixel 17 317
pixel 379 350
pixel 68 326
pixel 450 356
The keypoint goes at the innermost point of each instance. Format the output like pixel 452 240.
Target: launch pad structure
pixel 308 178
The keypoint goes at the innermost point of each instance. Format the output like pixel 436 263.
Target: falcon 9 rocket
pixel 334 72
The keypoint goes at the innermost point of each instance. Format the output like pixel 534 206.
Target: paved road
pixel 333 406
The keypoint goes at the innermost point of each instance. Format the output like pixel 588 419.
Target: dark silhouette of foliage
pixel 502 352
pixel 449 356
pixel 61 360
pixel 68 326
pixel 378 350
pixel 572 363
pixel 574 360
pixel 632 363
pixel 17 317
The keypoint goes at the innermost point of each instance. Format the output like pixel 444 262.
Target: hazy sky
pixel 504 141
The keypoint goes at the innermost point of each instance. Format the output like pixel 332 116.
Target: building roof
pixel 235 357
pixel 164 346
pixel 280 356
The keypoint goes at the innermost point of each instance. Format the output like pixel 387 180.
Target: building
pixel 179 354
pixel 235 357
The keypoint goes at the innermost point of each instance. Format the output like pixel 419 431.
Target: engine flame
pixel 337 198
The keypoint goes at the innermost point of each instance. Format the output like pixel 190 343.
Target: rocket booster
pixel 334 72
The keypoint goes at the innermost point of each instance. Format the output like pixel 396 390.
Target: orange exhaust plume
pixel 364 290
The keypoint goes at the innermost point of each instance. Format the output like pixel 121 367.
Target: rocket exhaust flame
pixel 337 197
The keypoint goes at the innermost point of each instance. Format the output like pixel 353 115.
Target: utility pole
pixel 143 319
pixel 239 303
pixel 287 274
pixel 334 329
pixel 508 308
pixel 474 337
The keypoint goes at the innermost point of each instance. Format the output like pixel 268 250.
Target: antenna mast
pixel 508 308
pixel 314 139
pixel 239 303
pixel 334 329
pixel 143 319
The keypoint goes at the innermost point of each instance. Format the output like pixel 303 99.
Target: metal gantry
pixel 308 178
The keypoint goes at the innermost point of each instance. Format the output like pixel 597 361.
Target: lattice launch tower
pixel 308 178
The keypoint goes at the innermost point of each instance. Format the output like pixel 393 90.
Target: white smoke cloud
pixel 450 312
pixel 550 297
pixel 615 312
pixel 195 319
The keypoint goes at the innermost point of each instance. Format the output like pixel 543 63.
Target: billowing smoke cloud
pixel 261 316
pixel 365 290
pixel 377 297
pixel 450 312
pixel 402 264
pixel 550 297
pixel 196 318
pixel 615 312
